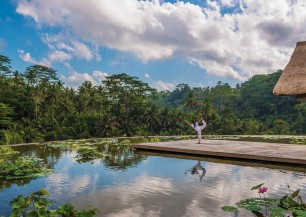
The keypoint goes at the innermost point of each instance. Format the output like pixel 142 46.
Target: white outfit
pixel 200 170
pixel 199 129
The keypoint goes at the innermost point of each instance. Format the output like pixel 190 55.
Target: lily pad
pixel 229 209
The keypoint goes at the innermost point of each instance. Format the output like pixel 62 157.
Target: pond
pixel 129 183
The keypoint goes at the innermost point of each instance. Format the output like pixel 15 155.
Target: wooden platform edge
pixel 221 154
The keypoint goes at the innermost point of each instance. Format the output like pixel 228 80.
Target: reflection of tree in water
pixel 120 157
pixel 50 156
pixel 19 182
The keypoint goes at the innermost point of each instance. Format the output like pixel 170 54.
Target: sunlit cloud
pixel 255 37
pixel 59 56
pixel 75 79
pixel 101 76
pixel 161 85
pixel 26 57
pixel 73 47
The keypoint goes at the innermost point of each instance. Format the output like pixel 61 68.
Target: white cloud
pixel 62 49
pixel 59 56
pixel 99 75
pixel 147 75
pixel 96 54
pixel 82 51
pixel 55 56
pixel 228 3
pixel 75 79
pixel 64 43
pixel 161 85
pixel 26 57
pixel 258 37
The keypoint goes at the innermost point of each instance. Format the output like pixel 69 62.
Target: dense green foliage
pixel 6 152
pixel 36 106
pixel 36 204
pixel 22 168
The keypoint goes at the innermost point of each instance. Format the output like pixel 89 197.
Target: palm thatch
pixel 293 79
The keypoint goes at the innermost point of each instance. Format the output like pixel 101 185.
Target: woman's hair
pixel 194 123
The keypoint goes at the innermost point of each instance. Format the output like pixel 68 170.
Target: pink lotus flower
pixel 262 190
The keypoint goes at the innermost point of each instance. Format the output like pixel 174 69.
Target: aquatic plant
pixel 36 204
pixel 22 167
pixel 262 190
pixel 289 205
pixel 86 154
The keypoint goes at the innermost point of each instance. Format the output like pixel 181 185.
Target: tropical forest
pixel 36 106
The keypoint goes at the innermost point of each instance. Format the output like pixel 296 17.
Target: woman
pixel 198 128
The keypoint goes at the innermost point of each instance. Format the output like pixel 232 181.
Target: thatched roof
pixel 293 79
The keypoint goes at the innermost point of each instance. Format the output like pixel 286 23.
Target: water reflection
pixel 50 156
pixel 141 184
pixel 120 157
pixel 197 170
pixel 8 183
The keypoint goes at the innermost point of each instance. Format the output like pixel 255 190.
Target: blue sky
pixel 164 43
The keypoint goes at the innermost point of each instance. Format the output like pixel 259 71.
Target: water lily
pixel 262 190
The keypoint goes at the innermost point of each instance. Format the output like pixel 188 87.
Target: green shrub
pixel 6 152
pixel 12 137
pixel 298 141
pixel 36 204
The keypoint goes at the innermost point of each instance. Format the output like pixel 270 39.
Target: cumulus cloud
pixel 82 51
pixel 73 47
pixel 99 75
pixel 75 79
pixel 228 3
pixel 26 57
pixel 59 56
pixel 54 56
pixel 161 85
pixel 258 37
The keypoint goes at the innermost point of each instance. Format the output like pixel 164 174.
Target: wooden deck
pixel 273 152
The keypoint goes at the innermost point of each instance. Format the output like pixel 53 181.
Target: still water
pixel 130 183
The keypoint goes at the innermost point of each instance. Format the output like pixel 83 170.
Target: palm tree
pixel 152 116
pixel 191 100
pixel 165 119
